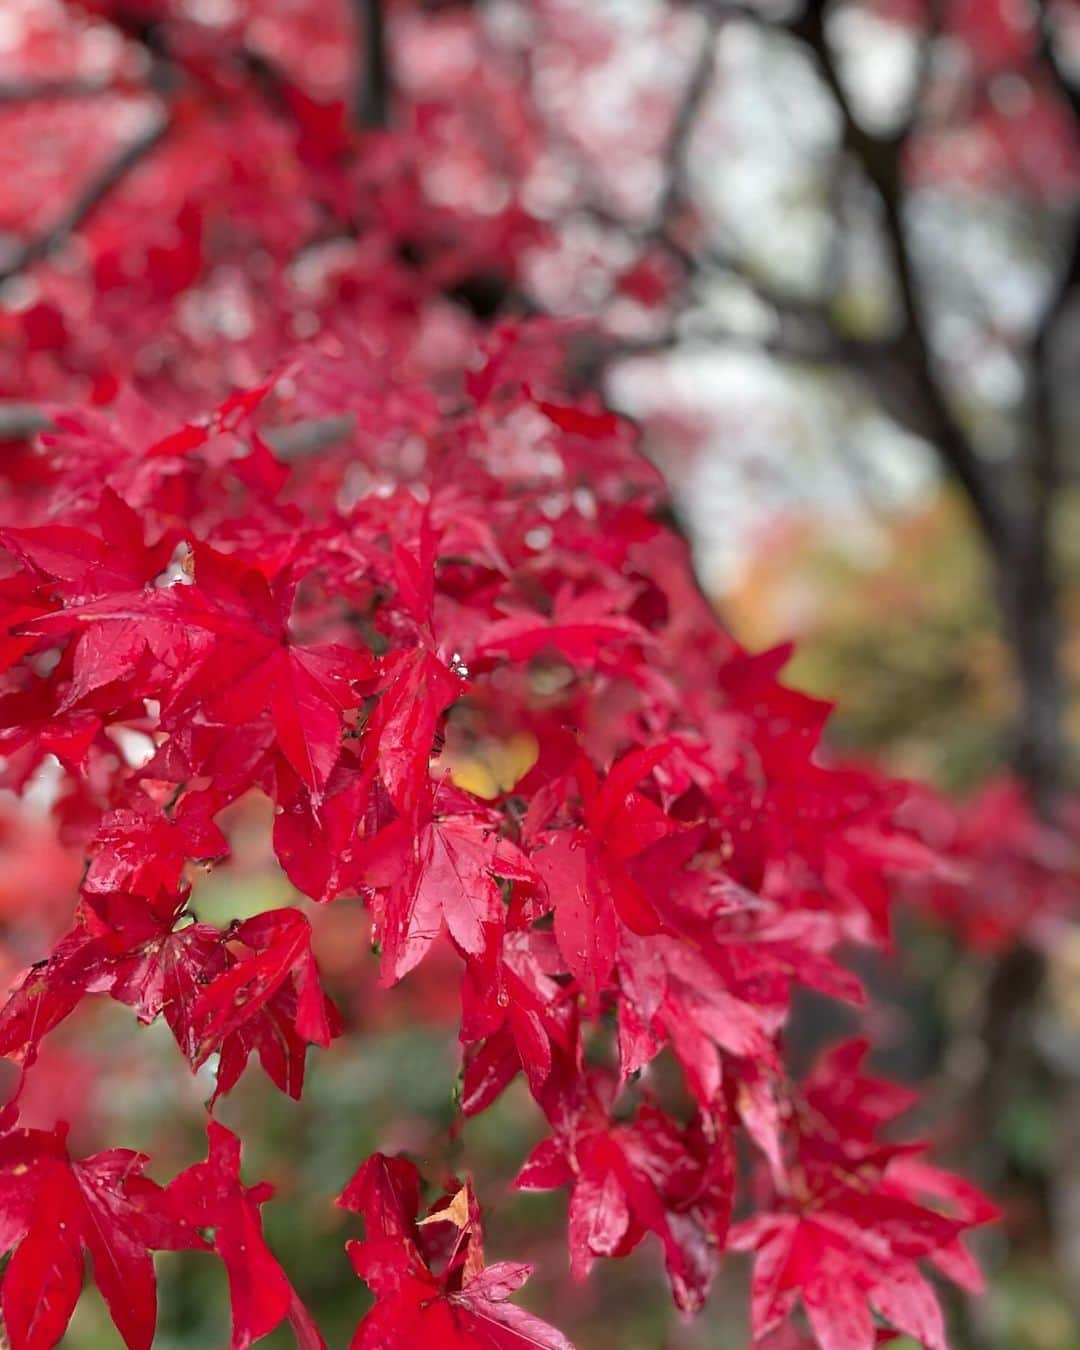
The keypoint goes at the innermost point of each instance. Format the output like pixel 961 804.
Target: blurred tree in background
pixel 933 685
pixel 827 254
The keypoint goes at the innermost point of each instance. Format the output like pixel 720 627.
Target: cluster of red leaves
pixel 54 1207
pixel 1000 123
pixel 263 216
pixel 848 1235
pixel 187 622
pixel 476 558
pixel 1009 876
pixel 428 1275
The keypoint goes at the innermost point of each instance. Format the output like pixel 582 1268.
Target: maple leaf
pixel 20 603
pixel 30 722
pixel 51 1208
pixel 586 872
pixel 442 869
pixel 462 1303
pixel 88 571
pixel 414 689
pixel 122 945
pixel 515 1015
pixel 81 564
pixel 141 850
pixel 646 1175
pixel 269 1000
pixel 586 923
pixel 227 658
pixel 164 975
pixel 847 1240
pixel 316 842
pixel 255 665
pixel 840 1274
pixel 47 994
pixel 670 992
pixel 579 628
pixel 210 1195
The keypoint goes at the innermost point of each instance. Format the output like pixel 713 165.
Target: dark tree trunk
pixel 1030 608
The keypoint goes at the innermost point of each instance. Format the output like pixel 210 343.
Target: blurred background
pixel 828 257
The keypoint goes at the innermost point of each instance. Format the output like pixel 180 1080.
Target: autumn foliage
pixel 672 862
pixel 475 555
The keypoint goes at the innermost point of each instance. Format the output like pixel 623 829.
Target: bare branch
pixel 685 120
pixel 371 106
pixel 1047 467
pixel 1068 89
pixel 935 20
pixel 20 420
pixel 31 91
pixel 293 440
pixel 86 202
pixel 794 346
pixel 879 157
pixel 300 439
pixel 1047 459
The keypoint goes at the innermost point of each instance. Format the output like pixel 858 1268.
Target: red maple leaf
pixel 847 1240
pixel 414 690
pixel 442 868
pixel 428 1275
pixel 587 873
pixel 629 1179
pixel 226 659
pixel 52 1207
pixel 141 850
pixel 268 1000
pixel 580 628
pixel 210 1194
pixel 515 1014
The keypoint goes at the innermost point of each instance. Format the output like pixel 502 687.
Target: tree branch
pixel 290 441
pixel 30 91
pixel 924 68
pixel 371 105
pixel 685 121
pixel 786 344
pixel 20 420
pixel 86 202
pixel 879 157
pixel 1047 469
pixel 1031 574
pixel 1048 51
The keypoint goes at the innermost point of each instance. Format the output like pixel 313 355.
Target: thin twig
pixel 293 440
pixel 685 121
pixel 1068 89
pixel 879 157
pixel 20 420
pixel 371 107
pixel 33 91
pixel 86 202
pixel 298 440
